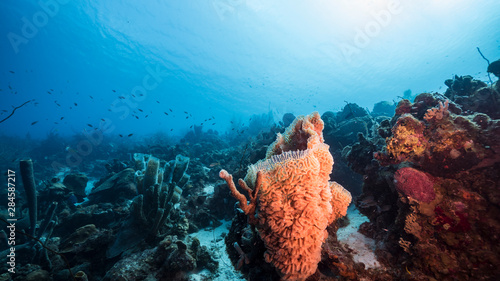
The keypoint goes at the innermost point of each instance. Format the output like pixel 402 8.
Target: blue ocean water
pixel 81 62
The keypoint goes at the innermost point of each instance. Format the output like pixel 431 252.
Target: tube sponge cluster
pixel 295 201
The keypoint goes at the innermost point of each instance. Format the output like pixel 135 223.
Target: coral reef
pixel 295 200
pixel 433 190
pixel 160 187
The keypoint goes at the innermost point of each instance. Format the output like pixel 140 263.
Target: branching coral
pixel 437 113
pixel 295 200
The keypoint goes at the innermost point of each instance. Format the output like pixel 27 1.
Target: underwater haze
pixel 92 60
pixel 276 140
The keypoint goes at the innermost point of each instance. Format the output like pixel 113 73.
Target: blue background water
pixel 227 59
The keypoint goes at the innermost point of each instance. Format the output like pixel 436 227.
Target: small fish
pixel 90 125
pixel 165 113
pixel 10 88
pixel 11 71
pixel 213 123
pixel 91 97
pixel 51 90
pixel 187 117
pixel 190 126
pixel 214 164
pixel 75 104
pixel 157 102
pixel 113 91
pixel 56 123
pixel 146 116
pixel 140 110
pixel 171 130
pixel 61 118
pixel 121 97
pixel 33 123
pixel 129 135
pixel 102 119
pixel 136 117
pixel 168 109
pixel 58 104
pixel 185 112
pixel 121 136
pixel 50 93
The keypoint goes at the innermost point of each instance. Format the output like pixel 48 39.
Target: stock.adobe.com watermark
pixel 364 36
pixel 11 220
pixel 31 26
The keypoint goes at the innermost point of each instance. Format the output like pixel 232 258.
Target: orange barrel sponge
pixel 292 197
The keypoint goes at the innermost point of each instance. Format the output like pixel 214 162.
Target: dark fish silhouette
pixel 50 93
pixel 113 91
pixel 11 71
pixel 76 104
pixel 136 117
pixel 62 118
pixel 157 102
pixel 121 136
pixel 140 110
pixel 168 109
pixel 102 119
pixel 187 117
pixel 91 97
pixel 90 125
pixel 121 97
pixel 165 113
pixel 33 123
pixel 129 135
pixel 185 112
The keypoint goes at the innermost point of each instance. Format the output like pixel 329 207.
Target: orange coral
pixel 296 202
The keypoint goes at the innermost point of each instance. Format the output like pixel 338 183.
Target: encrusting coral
pixel 292 202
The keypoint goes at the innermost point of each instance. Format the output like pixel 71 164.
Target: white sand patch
pixel 214 241
pixel 208 189
pixel 90 185
pixel 363 246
